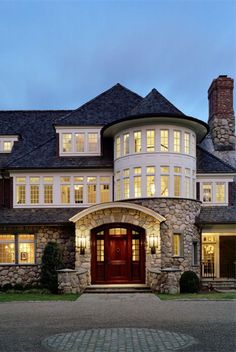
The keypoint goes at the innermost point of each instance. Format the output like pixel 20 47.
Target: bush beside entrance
pixel 189 282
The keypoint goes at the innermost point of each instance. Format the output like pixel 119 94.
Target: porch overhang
pixel 112 205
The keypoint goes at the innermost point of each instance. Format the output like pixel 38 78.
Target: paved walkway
pixel 122 323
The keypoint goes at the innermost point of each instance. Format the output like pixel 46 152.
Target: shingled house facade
pixel 133 190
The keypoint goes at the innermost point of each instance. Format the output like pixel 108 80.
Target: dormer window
pixel 79 141
pixel 6 143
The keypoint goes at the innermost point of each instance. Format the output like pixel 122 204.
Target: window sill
pixel 14 264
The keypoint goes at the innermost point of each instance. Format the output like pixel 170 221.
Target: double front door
pixel 118 254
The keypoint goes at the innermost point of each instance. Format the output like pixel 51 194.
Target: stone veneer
pixel 30 274
pixel 162 269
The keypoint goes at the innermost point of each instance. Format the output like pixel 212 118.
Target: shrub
pixel 189 282
pixel 51 262
pixel 7 287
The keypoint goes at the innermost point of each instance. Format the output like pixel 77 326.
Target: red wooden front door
pixel 118 254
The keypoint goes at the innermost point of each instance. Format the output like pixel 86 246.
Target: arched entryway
pixel 117 215
pixel 117 254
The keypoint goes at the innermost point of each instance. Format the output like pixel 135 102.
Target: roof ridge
pixel 47 110
pixel 98 96
pixel 216 157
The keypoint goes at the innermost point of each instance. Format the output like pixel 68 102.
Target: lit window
pixel 100 250
pixel 20 190
pixel 177 185
pixel 187 187
pixel 164 186
pixel 176 245
pixel 137 170
pixel 78 179
pixel 92 193
pixel 26 249
pixel 164 140
pixel 135 249
pixel 137 186
pixel 165 169
pixel 7 146
pixel 150 140
pixel 193 145
pixel 207 192
pixel 177 141
pixel 7 249
pixel 220 192
pixel 48 190
pixel 92 142
pixel 126 187
pixel 177 169
pixel 137 142
pixel 151 186
pixel 151 169
pixel 105 179
pixel 91 179
pixel 186 143
pixel 65 189
pixel 126 172
pixel 79 142
pixel 78 193
pixel 118 147
pixel 67 142
pixel 118 189
pixel 104 193
pixel 34 190
pixel 126 143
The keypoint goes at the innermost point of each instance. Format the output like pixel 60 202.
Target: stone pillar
pixel 72 281
pixel 221 114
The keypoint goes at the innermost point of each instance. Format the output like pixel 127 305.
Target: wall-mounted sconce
pixel 82 244
pixel 153 243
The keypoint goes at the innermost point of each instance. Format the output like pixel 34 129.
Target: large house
pixel 133 190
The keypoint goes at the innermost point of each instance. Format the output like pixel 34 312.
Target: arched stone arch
pixel 117 212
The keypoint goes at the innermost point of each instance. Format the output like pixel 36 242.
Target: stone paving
pixel 118 340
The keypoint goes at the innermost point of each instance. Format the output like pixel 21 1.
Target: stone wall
pixel 30 274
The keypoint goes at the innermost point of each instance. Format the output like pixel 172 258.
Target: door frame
pixel 129 227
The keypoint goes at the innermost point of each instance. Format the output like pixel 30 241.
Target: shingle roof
pixel 155 103
pixel 113 104
pixel 37 216
pixel 217 215
pixel 209 163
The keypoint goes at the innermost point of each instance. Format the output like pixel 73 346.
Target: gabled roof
pixel 111 105
pixel 209 163
pixel 155 103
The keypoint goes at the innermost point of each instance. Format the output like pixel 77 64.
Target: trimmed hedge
pixel 189 282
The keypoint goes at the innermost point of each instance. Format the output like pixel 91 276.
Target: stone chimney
pixel 221 114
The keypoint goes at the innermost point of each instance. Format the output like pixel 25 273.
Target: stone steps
pixel 117 289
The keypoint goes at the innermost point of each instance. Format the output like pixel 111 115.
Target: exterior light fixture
pixel 82 244
pixel 153 243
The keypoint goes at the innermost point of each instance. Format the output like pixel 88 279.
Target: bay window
pixel 150 140
pixel 118 152
pixel 126 143
pixel 186 143
pixel 137 142
pixel 177 141
pixel 164 140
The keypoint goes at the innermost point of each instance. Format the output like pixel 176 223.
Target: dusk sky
pixel 60 54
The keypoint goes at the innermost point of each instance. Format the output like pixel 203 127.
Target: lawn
pixel 10 297
pixel 216 296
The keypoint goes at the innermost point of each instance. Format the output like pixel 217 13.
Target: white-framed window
pixel 220 192
pixel 137 141
pixel 164 135
pixel 65 189
pixel 79 141
pixel 17 249
pixel 187 183
pixel 126 183
pixel 177 141
pixel 193 145
pixel 150 137
pixel 20 190
pixel 34 190
pixel 177 185
pixel 165 181
pixel 48 189
pixel 7 142
pixel 126 143
pixel 137 186
pixel 150 179
pixel 187 143
pixel 207 192
pixel 118 151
